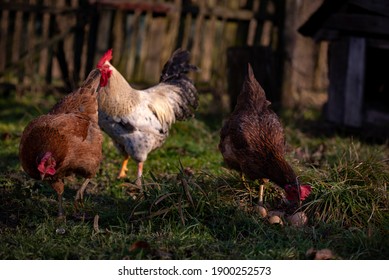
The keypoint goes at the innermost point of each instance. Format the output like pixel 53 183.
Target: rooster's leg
pixel 123 170
pixel 79 200
pixel 138 181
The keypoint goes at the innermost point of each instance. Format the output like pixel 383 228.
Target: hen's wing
pixel 228 148
pixel 260 143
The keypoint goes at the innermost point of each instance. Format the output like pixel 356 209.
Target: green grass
pixel 192 206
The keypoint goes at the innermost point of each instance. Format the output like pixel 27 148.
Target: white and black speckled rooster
pixel 138 121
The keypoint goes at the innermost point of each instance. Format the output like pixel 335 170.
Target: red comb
pixel 106 57
pixel 292 192
pixel 305 191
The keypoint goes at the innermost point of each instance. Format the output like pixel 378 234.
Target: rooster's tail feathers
pixel 177 66
pixel 174 73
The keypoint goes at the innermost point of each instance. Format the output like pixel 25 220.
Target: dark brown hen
pixel 66 141
pixel 252 142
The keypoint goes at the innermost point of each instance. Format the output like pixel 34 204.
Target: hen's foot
pixel 61 218
pixel 79 199
pixel 82 216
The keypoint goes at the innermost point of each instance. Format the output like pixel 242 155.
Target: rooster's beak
pixel 43 176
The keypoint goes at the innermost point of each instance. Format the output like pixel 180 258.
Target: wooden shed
pixel 358 59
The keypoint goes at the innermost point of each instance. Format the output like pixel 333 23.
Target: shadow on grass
pixel 24 199
pixel 316 126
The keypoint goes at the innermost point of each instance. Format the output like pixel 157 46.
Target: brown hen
pixel 252 142
pixel 67 141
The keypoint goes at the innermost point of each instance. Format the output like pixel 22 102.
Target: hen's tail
pixel 174 73
pixel 92 82
pixel 83 100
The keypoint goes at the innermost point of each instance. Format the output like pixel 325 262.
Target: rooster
pixel 138 121
pixel 252 142
pixel 66 141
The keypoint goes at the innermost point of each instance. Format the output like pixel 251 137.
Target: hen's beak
pixel 43 176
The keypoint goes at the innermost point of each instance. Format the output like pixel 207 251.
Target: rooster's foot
pixel 122 175
pixel 123 169
pixel 138 182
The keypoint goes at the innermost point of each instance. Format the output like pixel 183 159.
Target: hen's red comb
pixel 106 57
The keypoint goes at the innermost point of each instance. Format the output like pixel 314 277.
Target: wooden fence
pixel 56 43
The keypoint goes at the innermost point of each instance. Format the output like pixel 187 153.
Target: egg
pixel 298 219
pixel 261 211
pixel 275 220
pixel 324 254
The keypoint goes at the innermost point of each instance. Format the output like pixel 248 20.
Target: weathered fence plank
pixel 44 53
pixel 66 37
pixel 4 38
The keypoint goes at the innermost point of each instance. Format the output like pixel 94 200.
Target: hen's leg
pixel 138 181
pixel 261 191
pixel 245 184
pixel 123 170
pixel 79 200
pixel 61 212
pixel 58 186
